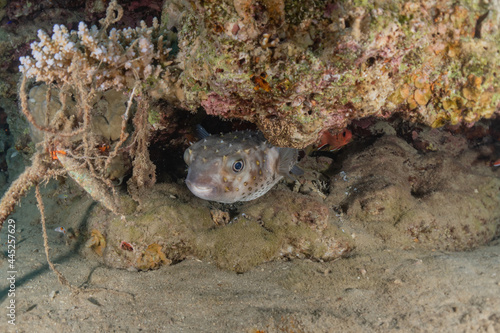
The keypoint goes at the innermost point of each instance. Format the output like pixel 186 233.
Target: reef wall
pixel 299 68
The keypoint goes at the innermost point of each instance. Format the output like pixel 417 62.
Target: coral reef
pixel 84 68
pixel 298 68
pixel 115 61
pixel 96 82
pixel 94 97
pixel 18 30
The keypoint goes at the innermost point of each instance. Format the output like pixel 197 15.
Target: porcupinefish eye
pixel 238 165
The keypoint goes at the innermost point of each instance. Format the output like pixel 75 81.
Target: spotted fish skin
pixel 237 166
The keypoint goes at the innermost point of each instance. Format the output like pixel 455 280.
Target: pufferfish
pixel 236 166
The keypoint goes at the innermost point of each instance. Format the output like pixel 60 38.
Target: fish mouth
pixel 203 192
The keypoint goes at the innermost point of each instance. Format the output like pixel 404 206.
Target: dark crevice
pixel 479 23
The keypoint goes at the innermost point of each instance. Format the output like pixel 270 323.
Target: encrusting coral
pixel 300 68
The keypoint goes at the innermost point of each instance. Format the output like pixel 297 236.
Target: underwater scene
pixel 251 166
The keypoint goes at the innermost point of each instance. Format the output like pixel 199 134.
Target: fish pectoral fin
pixel 297 171
pixel 202 132
pixel 287 160
pixel 291 177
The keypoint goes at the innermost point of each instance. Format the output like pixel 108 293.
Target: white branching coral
pixel 106 60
